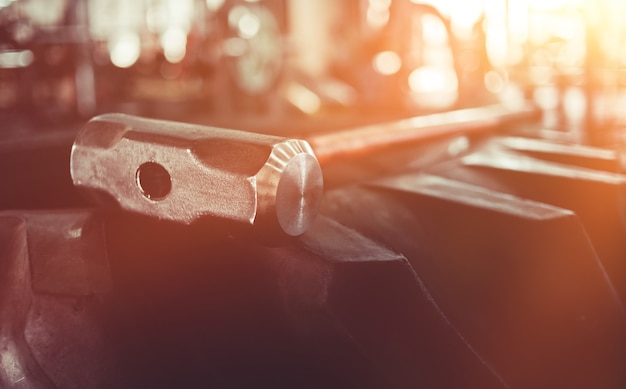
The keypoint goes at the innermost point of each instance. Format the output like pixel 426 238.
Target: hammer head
pixel 184 173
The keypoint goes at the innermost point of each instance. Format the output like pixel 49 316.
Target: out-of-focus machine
pixel 312 194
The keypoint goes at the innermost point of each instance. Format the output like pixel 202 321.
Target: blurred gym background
pixel 302 65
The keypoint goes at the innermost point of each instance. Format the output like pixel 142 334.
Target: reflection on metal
pixel 183 172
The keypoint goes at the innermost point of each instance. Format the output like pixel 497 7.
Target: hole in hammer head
pixel 154 181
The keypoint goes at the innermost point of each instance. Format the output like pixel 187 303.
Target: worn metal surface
pixel 183 172
pixel 596 196
pixel 67 251
pixel 518 280
pixel 330 309
pixel 54 279
pixel 18 366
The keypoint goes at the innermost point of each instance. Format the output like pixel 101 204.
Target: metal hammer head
pixel 183 172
